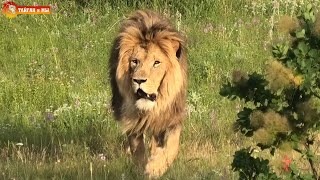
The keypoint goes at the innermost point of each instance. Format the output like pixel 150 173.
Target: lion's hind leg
pixel 164 149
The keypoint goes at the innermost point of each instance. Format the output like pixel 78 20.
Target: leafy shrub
pixel 282 105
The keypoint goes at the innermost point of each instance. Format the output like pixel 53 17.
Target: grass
pixel 54 91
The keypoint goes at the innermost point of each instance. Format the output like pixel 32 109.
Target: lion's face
pixel 148 67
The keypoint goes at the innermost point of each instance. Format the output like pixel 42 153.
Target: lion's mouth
pixel 141 94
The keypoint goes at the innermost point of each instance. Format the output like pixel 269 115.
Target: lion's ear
pixel 177 48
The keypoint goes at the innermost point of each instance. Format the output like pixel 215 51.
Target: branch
pixel 314 171
pixel 315 94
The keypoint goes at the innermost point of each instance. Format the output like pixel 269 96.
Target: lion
pixel 148 76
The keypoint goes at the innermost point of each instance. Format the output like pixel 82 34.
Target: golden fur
pixel 148 70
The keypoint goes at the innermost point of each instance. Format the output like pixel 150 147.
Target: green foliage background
pixel 282 104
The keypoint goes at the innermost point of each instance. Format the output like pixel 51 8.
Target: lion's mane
pixel 141 28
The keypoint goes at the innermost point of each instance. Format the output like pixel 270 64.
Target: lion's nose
pixel 139 81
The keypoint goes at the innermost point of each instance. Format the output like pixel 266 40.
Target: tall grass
pixel 56 121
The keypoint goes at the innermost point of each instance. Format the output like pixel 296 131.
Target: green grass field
pixel 55 96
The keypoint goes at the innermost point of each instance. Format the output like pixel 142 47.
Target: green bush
pixel 281 105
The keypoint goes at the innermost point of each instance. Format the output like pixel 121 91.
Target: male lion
pixel 148 70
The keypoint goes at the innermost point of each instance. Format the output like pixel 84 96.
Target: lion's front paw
pixel 155 169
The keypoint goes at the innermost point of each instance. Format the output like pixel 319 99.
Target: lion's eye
pixel 134 62
pixel 156 63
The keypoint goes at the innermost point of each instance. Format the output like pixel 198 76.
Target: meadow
pixel 55 116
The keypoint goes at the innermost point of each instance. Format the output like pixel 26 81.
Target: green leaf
pixel 301 34
pixel 280 51
pixel 245 113
pixel 306 15
pixel 310 155
pixel 306 176
pixel 309 7
pixel 303 47
pixel 295 138
pixel 313 53
pixel 250 167
pixel 294 168
pixel 312 17
pixel 297 52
